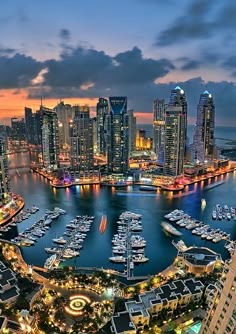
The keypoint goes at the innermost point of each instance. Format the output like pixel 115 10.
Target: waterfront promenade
pixel 177 187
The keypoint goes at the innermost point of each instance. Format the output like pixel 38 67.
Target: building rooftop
pixel 200 256
pixel 10 293
pixel 6 277
pixel 194 286
pixel 134 307
pixel 122 322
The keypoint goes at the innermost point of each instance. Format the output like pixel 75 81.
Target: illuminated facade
pixel 175 133
pixel 132 131
pixel 118 135
pixel 159 107
pixel 50 139
pixel 101 119
pixel 142 141
pixel 204 140
pixel 82 140
pixel 65 114
pixel 4 180
pixel 221 315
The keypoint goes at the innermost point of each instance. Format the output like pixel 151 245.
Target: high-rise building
pixel 175 133
pixel 159 107
pixel 82 140
pixel 142 141
pixel 29 125
pixel 65 114
pixel 221 314
pixel 50 139
pixel 17 129
pixel 132 131
pixel 4 180
pixel 204 141
pixel 118 135
pixel 101 117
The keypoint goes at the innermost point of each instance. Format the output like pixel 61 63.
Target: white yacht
pixel 119 259
pixel 60 240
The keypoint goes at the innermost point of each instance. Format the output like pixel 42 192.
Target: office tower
pixel 118 135
pixel 204 141
pixel 221 314
pixel 132 131
pixel 29 125
pixel 50 139
pixel 65 114
pixel 175 133
pixel 17 129
pixel 101 116
pixel 82 139
pixel 142 141
pixel 95 136
pixel 159 107
pixel 4 180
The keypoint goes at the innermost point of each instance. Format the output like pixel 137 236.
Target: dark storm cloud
pixel 201 20
pixel 81 66
pixel 18 70
pixel 64 34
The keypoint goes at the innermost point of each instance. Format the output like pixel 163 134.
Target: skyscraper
pixel 4 180
pixel 175 133
pixel 101 116
pixel 118 135
pixel 65 114
pixel 204 141
pixel 159 107
pixel 50 139
pixel 29 126
pixel 132 131
pixel 221 314
pixel 82 139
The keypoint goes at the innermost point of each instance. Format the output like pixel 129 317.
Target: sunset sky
pixel 78 50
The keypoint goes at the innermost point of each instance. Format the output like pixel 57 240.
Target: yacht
pixel 69 253
pixel 170 229
pixel 119 259
pixel 140 258
pixel 214 214
pixel 60 240
pixel 53 250
pixel 51 262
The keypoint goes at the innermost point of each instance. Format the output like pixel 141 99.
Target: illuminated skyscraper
pixel 118 135
pixel 204 141
pixel 221 314
pixel 82 140
pixel 132 131
pixel 101 119
pixel 159 107
pixel 65 115
pixel 175 133
pixel 50 139
pixel 4 180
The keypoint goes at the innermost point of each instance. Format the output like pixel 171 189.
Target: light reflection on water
pixel 95 200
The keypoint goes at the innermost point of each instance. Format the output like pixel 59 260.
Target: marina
pixel 224 212
pixel 68 245
pixel 128 246
pixel 198 228
pixel 97 201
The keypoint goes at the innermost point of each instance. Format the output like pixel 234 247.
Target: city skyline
pixel 80 60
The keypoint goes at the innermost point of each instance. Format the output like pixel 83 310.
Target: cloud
pixel 18 71
pixel 191 65
pixel 202 20
pixel 6 51
pixel 64 34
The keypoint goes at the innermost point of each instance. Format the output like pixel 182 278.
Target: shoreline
pixel 178 188
pixel 8 218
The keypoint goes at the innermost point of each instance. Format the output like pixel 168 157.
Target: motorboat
pixel 170 229
pixel 119 259
pixel 60 240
